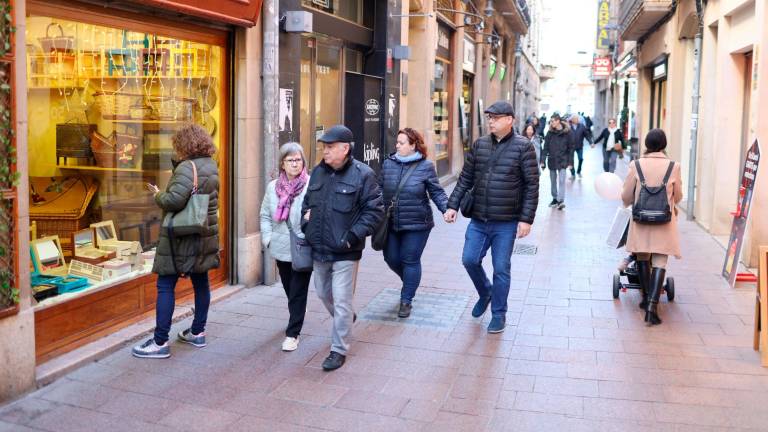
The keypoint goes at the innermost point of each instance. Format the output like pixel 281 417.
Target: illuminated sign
pixel 603 18
pixel 601 67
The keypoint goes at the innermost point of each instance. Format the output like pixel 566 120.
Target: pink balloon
pixel 608 186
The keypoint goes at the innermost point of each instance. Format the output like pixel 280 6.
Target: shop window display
pixel 103 105
pixel 440 110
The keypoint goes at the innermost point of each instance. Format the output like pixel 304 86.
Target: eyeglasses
pixel 495 117
pixel 293 161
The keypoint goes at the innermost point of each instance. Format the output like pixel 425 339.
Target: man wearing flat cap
pixel 341 208
pixel 499 190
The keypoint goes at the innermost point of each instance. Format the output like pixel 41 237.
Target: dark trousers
pixel 580 156
pixel 403 255
pixel 166 301
pixel 296 286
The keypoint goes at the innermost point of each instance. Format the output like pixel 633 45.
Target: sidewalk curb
pixel 55 368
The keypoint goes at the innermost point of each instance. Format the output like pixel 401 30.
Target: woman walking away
pixel 191 255
pixel 653 186
pixel 280 212
pixel 530 133
pixel 614 145
pixel 411 216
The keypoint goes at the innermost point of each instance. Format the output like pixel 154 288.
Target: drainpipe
pixel 695 112
pixel 269 92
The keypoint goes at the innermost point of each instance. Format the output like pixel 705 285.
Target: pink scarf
pixel 286 191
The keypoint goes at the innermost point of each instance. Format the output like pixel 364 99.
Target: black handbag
pixel 379 239
pixel 467 202
pixel 652 205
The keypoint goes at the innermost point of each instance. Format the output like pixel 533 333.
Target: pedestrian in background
pixel 280 213
pixel 613 145
pixel 530 133
pixel 186 256
pixel 578 136
pixel 409 170
pixel 341 208
pixel 501 177
pixel 557 155
pixel 653 244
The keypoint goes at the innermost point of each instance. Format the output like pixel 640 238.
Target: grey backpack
pixel 652 206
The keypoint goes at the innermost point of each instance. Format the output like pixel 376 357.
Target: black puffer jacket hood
pixel 511 191
pixel 412 211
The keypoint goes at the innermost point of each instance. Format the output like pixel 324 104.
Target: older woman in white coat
pixel 653 244
pixel 282 204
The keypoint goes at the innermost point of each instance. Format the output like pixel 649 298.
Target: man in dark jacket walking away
pixel 579 133
pixel 557 155
pixel 341 208
pixel 501 178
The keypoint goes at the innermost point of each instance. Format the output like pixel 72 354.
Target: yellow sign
pixel 603 18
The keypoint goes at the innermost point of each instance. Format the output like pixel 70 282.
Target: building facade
pixel 732 93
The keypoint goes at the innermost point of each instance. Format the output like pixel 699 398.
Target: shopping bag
pixel 617 236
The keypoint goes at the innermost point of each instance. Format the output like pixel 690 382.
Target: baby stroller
pixel 633 282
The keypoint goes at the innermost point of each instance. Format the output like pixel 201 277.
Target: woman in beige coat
pixel 652 244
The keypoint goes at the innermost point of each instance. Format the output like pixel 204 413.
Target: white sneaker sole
pixel 151 356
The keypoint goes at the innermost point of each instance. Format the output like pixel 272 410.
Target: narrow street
pixel 571 359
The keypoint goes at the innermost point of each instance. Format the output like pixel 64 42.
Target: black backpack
pixel 652 206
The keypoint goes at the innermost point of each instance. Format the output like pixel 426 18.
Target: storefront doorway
pixel 658 95
pixel 465 111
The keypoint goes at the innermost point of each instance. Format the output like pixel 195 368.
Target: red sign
pixel 239 12
pixel 601 67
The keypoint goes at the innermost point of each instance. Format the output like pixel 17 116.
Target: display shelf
pixel 102 169
pixel 159 122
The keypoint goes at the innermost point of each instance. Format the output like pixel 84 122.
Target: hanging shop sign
pixel 601 67
pixel 468 63
pixel 660 71
pixel 603 18
pixel 363 115
pixel 741 215
pixel 239 12
pixel 492 68
pixel 443 40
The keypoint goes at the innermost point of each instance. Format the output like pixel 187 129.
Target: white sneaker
pixel 290 343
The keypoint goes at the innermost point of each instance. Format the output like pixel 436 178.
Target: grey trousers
pixel 557 178
pixel 335 286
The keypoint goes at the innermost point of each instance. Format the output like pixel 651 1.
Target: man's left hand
pixel 523 229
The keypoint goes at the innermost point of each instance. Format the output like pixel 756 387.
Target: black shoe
pixel 333 361
pixel 405 310
pixel 354 317
pixel 554 203
pixel 644 277
pixel 560 205
pixel 657 283
pixel 481 306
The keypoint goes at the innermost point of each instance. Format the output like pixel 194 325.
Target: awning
pixel 244 13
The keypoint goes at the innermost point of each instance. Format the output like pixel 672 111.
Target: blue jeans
pixel 403 255
pixel 580 159
pixel 500 238
pixel 166 301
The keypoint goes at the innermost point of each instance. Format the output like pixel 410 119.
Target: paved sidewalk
pixel 571 359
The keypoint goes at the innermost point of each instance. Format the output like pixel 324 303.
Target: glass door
pixel 321 98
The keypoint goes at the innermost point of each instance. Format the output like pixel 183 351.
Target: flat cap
pixel 501 108
pixel 338 133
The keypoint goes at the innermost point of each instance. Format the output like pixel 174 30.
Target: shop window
pixel 357 11
pixel 104 103
pixel 440 109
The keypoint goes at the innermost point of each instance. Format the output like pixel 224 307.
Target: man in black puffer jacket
pixel 341 208
pixel 501 174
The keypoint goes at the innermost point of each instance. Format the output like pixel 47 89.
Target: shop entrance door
pixel 465 111
pixel 320 103
pixel 746 108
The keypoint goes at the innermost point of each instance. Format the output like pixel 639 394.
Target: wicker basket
pixel 117 106
pixel 62 212
pixel 104 150
pixel 173 107
pixel 142 112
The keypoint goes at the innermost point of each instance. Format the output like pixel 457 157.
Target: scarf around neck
pixel 286 191
pixel 405 159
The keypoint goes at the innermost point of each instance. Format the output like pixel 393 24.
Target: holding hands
pixel 449 216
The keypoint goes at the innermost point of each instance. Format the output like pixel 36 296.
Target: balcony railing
pixel 637 17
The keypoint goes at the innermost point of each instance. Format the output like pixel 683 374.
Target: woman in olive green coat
pixel 191 255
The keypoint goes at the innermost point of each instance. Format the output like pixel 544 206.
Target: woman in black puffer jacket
pixel 411 216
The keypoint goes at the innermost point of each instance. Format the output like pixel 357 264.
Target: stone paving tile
pixel 571 358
